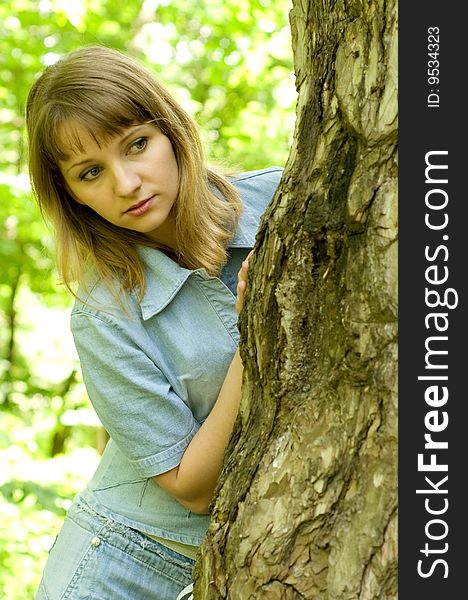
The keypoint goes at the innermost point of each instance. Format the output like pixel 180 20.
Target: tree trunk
pixel 307 502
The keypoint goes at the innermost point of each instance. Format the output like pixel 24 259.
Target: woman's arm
pixel 193 482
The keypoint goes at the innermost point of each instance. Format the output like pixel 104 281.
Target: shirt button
pixel 95 541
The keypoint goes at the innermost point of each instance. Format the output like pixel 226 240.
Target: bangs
pixel 101 120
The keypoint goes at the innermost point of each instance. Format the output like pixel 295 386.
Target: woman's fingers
pixel 242 283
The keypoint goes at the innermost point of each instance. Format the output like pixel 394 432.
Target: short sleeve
pixel 149 422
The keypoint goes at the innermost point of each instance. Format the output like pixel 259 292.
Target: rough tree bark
pixel 307 502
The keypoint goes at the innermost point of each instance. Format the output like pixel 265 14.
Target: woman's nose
pixel 126 180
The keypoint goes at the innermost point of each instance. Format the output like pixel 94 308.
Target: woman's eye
pixel 139 144
pixel 90 174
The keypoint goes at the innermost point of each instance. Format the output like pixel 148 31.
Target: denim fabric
pixel 94 558
pixel 154 369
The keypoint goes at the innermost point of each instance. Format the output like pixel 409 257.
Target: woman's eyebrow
pixel 129 133
pixel 132 131
pixel 78 164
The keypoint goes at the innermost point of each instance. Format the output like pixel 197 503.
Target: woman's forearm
pixel 193 482
pixel 202 461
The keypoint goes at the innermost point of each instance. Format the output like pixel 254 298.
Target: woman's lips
pixel 142 208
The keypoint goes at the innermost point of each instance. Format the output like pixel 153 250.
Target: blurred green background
pixel 230 65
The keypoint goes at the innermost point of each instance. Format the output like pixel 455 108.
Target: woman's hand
pixel 242 283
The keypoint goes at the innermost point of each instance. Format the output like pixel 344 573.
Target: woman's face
pixel 131 181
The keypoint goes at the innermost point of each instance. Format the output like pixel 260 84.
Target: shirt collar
pixel 164 278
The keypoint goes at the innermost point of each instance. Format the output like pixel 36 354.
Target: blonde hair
pixel 106 92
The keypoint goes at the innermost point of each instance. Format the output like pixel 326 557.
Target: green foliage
pixel 34 495
pixel 230 66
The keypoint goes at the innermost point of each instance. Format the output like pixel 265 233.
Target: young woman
pixel 155 246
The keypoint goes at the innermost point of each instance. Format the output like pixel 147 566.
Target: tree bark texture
pixel 307 502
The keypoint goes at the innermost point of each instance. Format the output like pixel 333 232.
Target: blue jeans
pixel 94 558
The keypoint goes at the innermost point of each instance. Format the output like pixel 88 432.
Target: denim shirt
pixel 154 371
